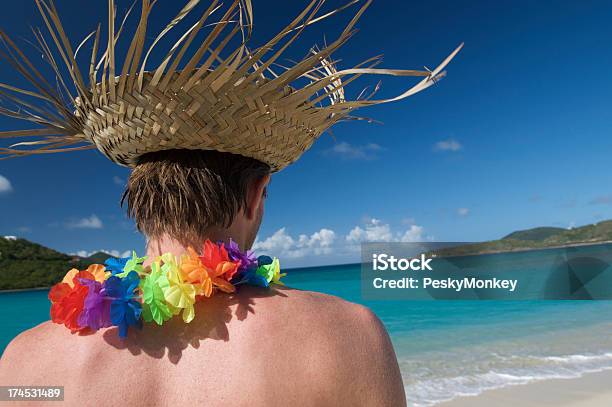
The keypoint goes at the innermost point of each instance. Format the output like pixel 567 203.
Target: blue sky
pixel 518 135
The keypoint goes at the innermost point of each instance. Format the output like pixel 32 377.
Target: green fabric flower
pixel 154 307
pixel 271 272
pixel 133 264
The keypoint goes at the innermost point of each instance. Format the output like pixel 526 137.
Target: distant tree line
pixel 24 264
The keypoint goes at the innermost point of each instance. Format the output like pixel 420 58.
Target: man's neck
pixel 167 244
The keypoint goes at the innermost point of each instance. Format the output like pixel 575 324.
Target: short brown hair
pixel 185 192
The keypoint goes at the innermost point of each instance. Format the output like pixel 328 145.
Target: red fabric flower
pixel 67 302
pixel 216 260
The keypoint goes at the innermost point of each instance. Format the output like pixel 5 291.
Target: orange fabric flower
pixel 99 272
pixel 225 269
pixel 69 277
pixel 195 272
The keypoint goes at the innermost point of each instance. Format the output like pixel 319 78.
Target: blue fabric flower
pixel 264 260
pixel 116 266
pixel 252 277
pixel 121 267
pixel 125 310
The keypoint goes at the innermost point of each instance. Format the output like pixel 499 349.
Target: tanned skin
pixel 278 347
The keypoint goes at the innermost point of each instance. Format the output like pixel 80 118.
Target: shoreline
pixel 531 249
pixel 306 269
pixel 19 290
pixel 589 390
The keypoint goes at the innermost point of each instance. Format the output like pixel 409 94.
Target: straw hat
pixel 244 102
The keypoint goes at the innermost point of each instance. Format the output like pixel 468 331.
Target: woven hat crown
pixel 240 101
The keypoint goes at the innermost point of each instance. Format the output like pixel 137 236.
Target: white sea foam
pixel 579 358
pixel 513 371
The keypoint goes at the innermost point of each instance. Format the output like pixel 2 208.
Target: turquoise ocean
pixel 445 349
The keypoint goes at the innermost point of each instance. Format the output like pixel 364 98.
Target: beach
pixel 590 390
pixel 502 353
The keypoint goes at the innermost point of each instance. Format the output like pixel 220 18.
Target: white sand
pixel 591 390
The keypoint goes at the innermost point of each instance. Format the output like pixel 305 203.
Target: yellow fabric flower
pixel 277 274
pixel 179 294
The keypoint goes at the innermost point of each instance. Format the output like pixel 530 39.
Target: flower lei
pixel 123 293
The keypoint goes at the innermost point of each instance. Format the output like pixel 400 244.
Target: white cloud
pixel 328 247
pixel 118 181
pixel 5 185
pixel 114 253
pixel 536 198
pixel 376 231
pixel 448 145
pixel 92 222
pixel 463 211
pixel 280 240
pixel 324 238
pixel 363 152
pixel 413 234
pixel 408 221
pixel 598 200
pixel 283 244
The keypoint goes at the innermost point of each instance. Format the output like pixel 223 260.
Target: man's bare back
pixel 274 348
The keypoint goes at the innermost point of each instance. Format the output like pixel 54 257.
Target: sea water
pixel 445 349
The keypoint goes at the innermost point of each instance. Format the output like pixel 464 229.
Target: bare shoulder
pixel 326 350
pixel 347 346
pixel 321 311
pixel 37 335
pixel 28 352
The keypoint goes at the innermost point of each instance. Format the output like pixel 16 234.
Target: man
pixel 258 347
pixel 202 142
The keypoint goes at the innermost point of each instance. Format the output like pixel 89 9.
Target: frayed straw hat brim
pixel 240 101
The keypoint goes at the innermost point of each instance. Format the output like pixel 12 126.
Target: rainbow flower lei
pixel 123 292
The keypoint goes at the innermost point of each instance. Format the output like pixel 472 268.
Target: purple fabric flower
pixel 96 308
pixel 247 259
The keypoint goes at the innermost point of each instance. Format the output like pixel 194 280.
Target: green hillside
pixel 24 264
pixel 540 233
pixel 97 258
pixel 537 238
